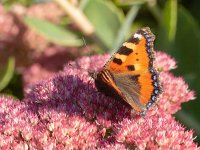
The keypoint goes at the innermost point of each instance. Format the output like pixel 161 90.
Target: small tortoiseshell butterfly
pixel 130 74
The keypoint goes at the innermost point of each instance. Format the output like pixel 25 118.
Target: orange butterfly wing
pixel 130 71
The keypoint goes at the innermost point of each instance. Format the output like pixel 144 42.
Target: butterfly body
pixel 130 75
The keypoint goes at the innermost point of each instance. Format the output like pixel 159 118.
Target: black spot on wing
pixel 135 77
pixel 125 51
pixel 131 67
pixel 134 40
pixel 117 61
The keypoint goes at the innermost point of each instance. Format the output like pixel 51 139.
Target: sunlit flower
pixel 67 112
pixel 164 62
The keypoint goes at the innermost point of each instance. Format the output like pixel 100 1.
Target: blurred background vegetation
pixel 38 36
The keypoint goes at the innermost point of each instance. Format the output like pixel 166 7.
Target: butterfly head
pixel 93 74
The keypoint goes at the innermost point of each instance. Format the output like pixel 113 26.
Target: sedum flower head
pixel 164 62
pixel 67 112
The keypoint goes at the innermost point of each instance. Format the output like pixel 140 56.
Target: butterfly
pixel 130 74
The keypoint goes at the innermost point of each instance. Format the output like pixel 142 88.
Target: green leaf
pixel 106 19
pixel 53 33
pixel 7 72
pixel 168 23
pixel 125 27
pixel 9 3
pixel 187 45
pixel 130 2
pixel 170 19
pixel 186 50
pixel 15 86
pixel 181 37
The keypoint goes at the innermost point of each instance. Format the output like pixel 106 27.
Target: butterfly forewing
pixel 130 73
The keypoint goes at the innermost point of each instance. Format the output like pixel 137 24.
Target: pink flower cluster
pixel 17 39
pixel 67 112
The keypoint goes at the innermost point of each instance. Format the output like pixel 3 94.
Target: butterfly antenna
pixel 92 73
pixel 85 43
pixel 76 66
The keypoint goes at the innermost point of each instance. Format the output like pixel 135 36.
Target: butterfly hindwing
pixel 130 89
